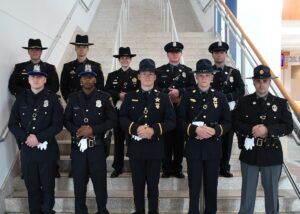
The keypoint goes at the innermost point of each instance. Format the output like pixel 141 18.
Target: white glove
pixel 42 146
pixel 231 105
pixel 249 143
pixel 82 144
pixel 198 123
pixel 118 104
pixel 137 138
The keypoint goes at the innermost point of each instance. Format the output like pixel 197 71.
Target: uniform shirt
pixel 121 81
pixel 40 114
pixel 212 109
pixel 95 110
pixel 155 110
pixel 18 81
pixel 70 81
pixel 274 113
pixel 231 85
pixel 179 77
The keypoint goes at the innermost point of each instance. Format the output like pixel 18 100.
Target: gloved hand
pixel 137 138
pixel 249 143
pixel 231 105
pixel 82 144
pixel 42 146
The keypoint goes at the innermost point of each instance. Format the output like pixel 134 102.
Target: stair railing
pixel 250 56
pixel 121 28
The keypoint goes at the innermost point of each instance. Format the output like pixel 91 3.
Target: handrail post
pixel 243 61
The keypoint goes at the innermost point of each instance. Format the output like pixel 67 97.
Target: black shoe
pixel 226 173
pixel 70 174
pixel 115 174
pixel 178 175
pixel 165 175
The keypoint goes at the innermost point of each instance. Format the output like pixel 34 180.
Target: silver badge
pixel 86 120
pixel 72 72
pixel 254 102
pixel 167 70
pixel 98 103
pixel 183 74
pixel 231 79
pixel 46 103
pixel 226 72
pixel 274 108
pixel 268 104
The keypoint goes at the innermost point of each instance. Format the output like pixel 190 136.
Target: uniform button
pixel 23 113
pixel 34 118
pixel 34 109
pixel 86 110
pixel 274 117
pixel 33 127
pixel 99 113
pixel 45 112
pixel 204 116
pixel 203 100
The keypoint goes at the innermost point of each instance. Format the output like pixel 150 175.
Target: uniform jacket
pixel 120 81
pixel 95 110
pixel 180 77
pixel 156 111
pixel 212 109
pixel 40 114
pixel 18 81
pixel 278 120
pixel 232 86
pixel 70 81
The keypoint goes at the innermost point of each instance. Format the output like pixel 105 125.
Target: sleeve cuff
pixel 219 130
pixel 158 130
pixel 132 128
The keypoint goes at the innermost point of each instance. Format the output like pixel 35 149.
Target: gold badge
pixel 274 108
pixel 134 80
pixel 193 100
pixel 157 99
pixel 157 104
pixel 261 72
pixel 215 102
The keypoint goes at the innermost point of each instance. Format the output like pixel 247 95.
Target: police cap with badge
pixel 218 46
pixel 173 47
pixel 262 72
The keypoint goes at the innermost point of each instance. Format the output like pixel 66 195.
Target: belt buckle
pixel 259 142
pixel 91 143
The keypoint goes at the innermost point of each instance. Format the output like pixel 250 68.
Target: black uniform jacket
pixel 18 81
pixel 120 81
pixel 212 109
pixel 275 115
pixel 157 112
pixel 40 114
pixel 180 77
pixel 70 81
pixel 95 110
pixel 229 82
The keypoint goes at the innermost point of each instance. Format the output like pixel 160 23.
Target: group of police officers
pixel 160 113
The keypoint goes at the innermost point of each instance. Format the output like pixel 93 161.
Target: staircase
pixel 146 39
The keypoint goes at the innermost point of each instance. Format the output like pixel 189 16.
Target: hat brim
pixel 92 74
pixel 153 70
pixel 34 73
pixel 83 44
pixel 119 56
pixel 41 48
pixel 218 50
pixel 204 71
pixel 174 50
pixel 254 78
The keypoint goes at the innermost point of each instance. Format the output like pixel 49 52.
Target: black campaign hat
pixel 218 46
pixel 124 52
pixel 36 70
pixel 81 40
pixel 262 72
pixel 173 47
pixel 35 44
pixel 147 65
pixel 204 66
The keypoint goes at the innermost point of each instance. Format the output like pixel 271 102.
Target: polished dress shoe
pixel 226 173
pixel 179 175
pixel 115 174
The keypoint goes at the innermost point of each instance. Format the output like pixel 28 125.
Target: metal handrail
pixel 167 15
pixel 249 52
pixel 122 25
pixel 205 6
pixel 4 134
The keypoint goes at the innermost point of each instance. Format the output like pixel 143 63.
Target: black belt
pixel 90 142
pixel 264 141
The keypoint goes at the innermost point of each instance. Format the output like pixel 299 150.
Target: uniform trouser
pixel 39 178
pixel 173 148
pixel 270 176
pixel 145 172
pixel 208 170
pixel 119 138
pixel 226 151
pixel 91 162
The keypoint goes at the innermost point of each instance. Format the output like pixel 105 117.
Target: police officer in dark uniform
pixel 174 79
pixel 69 81
pixel 227 80
pixel 35 119
pixel 88 115
pixel 205 117
pixel 18 81
pixel 118 84
pixel 145 116
pixel 260 119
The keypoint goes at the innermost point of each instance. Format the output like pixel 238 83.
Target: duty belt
pixel 90 142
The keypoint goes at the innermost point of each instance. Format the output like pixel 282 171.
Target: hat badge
pixel 174 44
pixel 219 43
pixel 88 68
pixel 36 68
pixel 261 72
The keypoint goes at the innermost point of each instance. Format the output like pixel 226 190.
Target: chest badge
pixel 193 100
pixel 72 72
pixel 46 103
pixel 134 80
pixel 274 108
pixel 215 102
pixel 98 103
pixel 183 74
pixel 231 79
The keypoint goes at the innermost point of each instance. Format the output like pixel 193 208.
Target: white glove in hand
pixel 82 144
pixel 118 105
pixel 137 138
pixel 231 105
pixel 42 146
pixel 198 123
pixel 249 143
